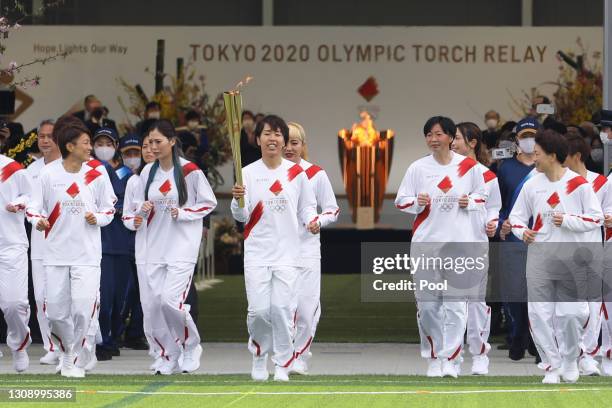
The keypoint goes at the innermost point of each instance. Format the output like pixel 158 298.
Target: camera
pixel 503 153
pixel 545 109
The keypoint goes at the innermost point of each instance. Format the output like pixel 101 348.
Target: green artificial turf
pixel 344 317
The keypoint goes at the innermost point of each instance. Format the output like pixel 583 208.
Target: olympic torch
pixel 233 114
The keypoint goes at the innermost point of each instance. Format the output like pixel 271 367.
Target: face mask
pixel 132 162
pixel 154 115
pixel 104 153
pixel 193 124
pixel 597 155
pixel 491 123
pixel 527 145
pixel 604 137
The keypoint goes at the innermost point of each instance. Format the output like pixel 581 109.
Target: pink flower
pixel 12 66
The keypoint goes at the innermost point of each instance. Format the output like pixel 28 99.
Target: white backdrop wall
pixel 310 74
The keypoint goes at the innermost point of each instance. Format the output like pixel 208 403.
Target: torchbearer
pixel 50 153
pixel 175 197
pixel 578 152
pixel 469 142
pixel 72 201
pixel 308 310
pixel 565 209
pixel 442 190
pixel 15 190
pixel 277 200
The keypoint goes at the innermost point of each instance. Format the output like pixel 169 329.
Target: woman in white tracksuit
pixel 442 190
pixel 566 219
pixel 308 308
pixel 468 142
pixel 134 221
pixel 175 197
pixel 72 202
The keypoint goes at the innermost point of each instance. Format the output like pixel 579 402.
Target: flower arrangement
pixel 579 87
pixel 185 93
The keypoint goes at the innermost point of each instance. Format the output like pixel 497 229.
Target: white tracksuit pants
pixel 478 328
pixel 606 331
pixel 14 296
pixel 590 339
pixel 442 325
pixel 146 293
pixel 308 308
pixel 72 303
pixel 171 325
pixel 271 292
pixel 39 282
pixel 549 320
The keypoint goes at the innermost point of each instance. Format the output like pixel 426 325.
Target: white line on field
pixel 246 381
pixel 306 393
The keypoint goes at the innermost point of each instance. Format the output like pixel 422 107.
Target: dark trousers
pixel 115 276
pixel 132 311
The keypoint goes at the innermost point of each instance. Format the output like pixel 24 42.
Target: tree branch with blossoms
pixel 7 74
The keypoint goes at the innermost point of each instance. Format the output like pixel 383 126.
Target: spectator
pixel 491 133
pixel 595 162
pixel 95 115
pixel 194 140
pixel 152 112
pixel 91 102
pixel 249 150
pixel 539 100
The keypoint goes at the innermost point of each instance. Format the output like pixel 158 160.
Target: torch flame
pixel 242 83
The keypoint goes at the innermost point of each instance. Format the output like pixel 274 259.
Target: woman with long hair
pixel 134 221
pixel 468 142
pixel 175 197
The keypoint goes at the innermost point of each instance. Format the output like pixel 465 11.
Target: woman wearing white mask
pixel 512 174
pixel 117 248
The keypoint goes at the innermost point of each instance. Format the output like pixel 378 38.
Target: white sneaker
pixel 299 366
pixel 168 367
pixel 606 366
pixel 281 374
pixel 551 377
pixel 68 369
pixel 156 364
pixel 569 371
pixel 480 365
pixel 91 364
pixel 21 361
pixel 259 372
pixel 588 366
pixel 449 368
pixel 434 369
pixel 191 359
pixel 86 358
pixel 51 358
